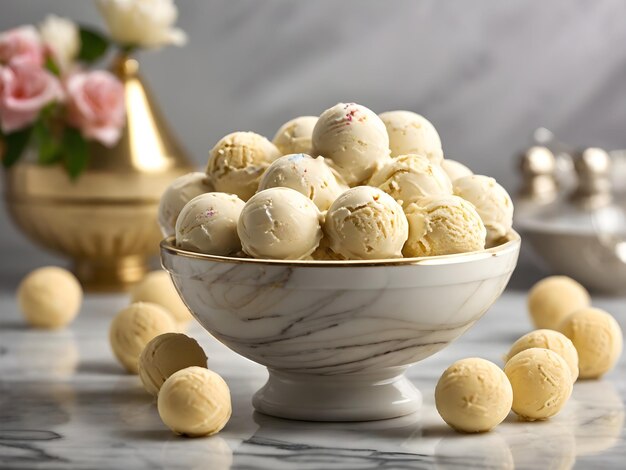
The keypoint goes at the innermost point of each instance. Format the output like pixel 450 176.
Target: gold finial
pixel 593 166
pixel 538 166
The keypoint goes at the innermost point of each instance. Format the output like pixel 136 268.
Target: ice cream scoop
pixel 208 224
pixel 408 178
pixel 554 298
pixel 133 328
pixel 354 139
pixel 491 201
pixel 166 354
pixel 238 161
pixel 597 338
pixel 156 287
pixel 412 133
pixel 311 177
pixel 541 383
pixel 279 223
pixel 182 190
pixel 473 395
pixel 443 226
pixel 366 223
pixel 552 340
pixel 454 169
pixel 195 402
pixel 295 136
pixel 49 297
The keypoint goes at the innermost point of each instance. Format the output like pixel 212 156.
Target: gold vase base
pixel 110 275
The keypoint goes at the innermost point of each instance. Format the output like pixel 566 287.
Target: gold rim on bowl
pixel 510 242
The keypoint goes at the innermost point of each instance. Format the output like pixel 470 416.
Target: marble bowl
pixel 337 336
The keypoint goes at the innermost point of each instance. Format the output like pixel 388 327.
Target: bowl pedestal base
pixel 110 275
pixel 382 394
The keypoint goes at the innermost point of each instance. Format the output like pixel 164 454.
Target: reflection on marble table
pixel 65 403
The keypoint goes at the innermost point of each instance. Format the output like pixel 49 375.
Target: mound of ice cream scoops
pixel 347 185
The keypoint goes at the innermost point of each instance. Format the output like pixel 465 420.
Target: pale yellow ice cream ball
pixel 133 328
pixel 166 354
pixel 354 139
pixel 552 340
pixel 366 223
pixel 180 191
pixel 492 202
pixel 238 161
pixel 49 297
pixel 279 223
pixel 443 226
pixel 157 287
pixel 295 136
pixel 455 170
pixel 195 402
pixel 473 395
pixel 598 339
pixel 409 178
pixel 412 133
pixel 553 298
pixel 541 382
pixel 310 176
pixel 208 224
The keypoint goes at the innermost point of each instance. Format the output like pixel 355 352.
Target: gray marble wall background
pixel 485 72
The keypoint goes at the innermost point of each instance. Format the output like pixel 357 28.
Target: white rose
pixel 143 23
pixel 62 37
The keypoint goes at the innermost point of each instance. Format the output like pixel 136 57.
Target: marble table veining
pixel 66 404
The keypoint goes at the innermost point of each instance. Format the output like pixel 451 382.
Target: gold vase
pixel 106 220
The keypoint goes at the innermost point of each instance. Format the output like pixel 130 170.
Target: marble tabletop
pixel 65 403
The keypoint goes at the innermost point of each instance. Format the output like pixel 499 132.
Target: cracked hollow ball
pixel 133 328
pixel 49 297
pixel 541 382
pixel 166 354
pixel 554 298
pixel 473 395
pixel 552 340
pixel 597 338
pixel 157 287
pixel 195 402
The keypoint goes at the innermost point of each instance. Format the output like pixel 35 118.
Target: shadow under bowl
pixel 337 336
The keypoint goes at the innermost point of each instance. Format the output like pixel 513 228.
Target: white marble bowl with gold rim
pixel 337 336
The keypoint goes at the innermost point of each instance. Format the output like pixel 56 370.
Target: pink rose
pixel 21 44
pixel 25 88
pixel 96 105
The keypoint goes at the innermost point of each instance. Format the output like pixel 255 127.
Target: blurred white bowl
pixel 337 336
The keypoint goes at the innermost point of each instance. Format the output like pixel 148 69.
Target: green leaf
pixel 52 66
pixel 15 143
pixel 75 152
pixel 93 45
pixel 48 146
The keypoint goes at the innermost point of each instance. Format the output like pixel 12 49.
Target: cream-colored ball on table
pixel 208 224
pixel 554 298
pixel 238 161
pixel 295 135
pixel 597 338
pixel 552 340
pixel 49 297
pixel 541 382
pixel 410 132
pixel 279 223
pixel 166 354
pixel 366 223
pixel 133 328
pixel 473 395
pixel 157 287
pixel 195 402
